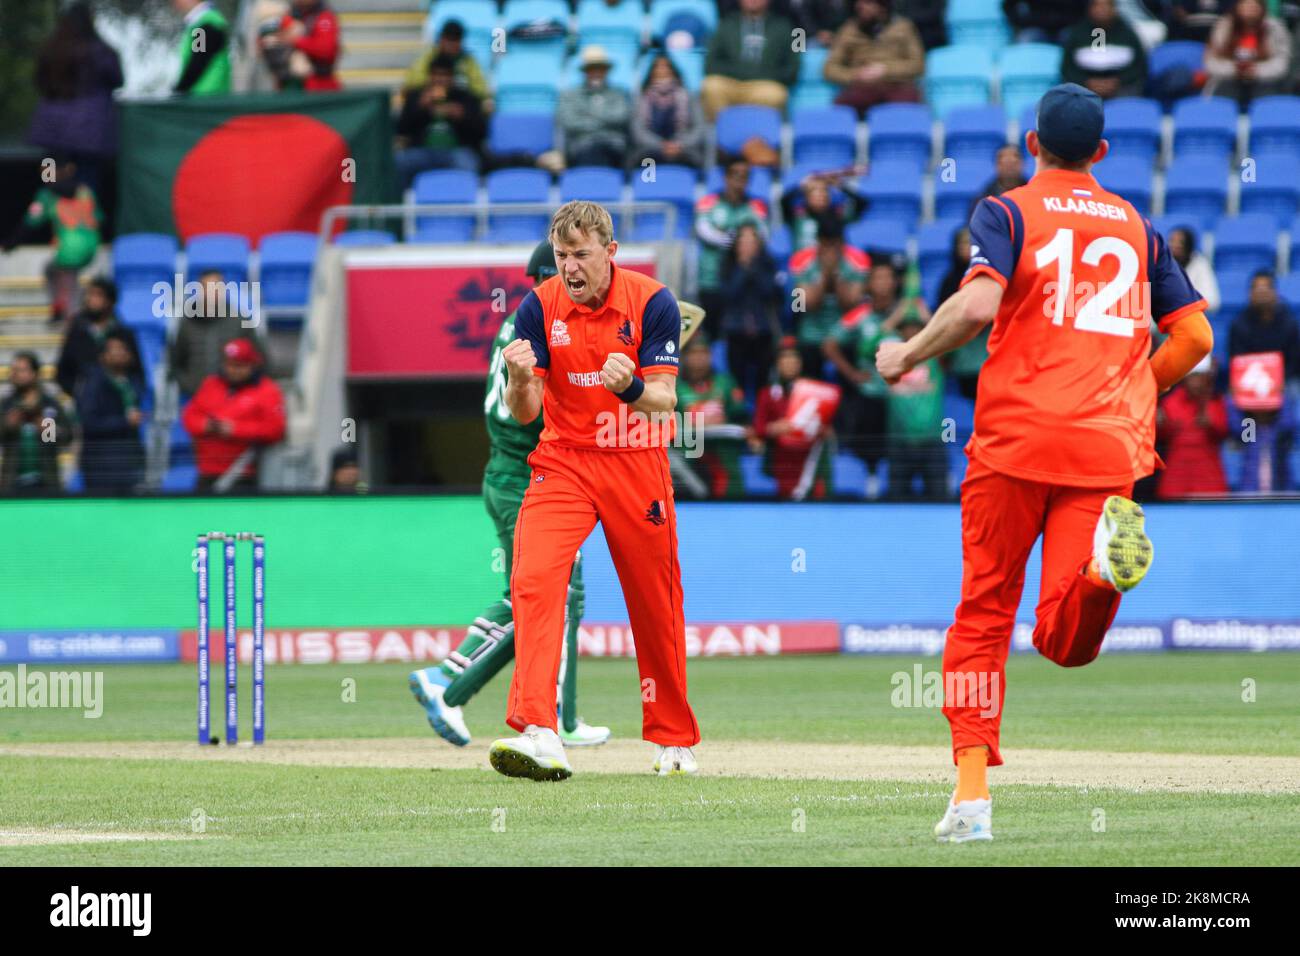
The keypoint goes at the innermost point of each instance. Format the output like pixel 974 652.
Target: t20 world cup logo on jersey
pixel 559 333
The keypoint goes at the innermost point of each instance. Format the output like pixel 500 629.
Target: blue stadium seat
pixel 848 476
pixel 602 184
pixel 780 244
pixel 974 132
pixel 1187 54
pixel 674 184
pixel 825 137
pixel 528 134
pixel 1133 128
pixel 894 189
pixel 812 62
pixel 812 95
pixel 1245 243
pixel 1288 288
pixel 1028 121
pixel 624 74
pixel 450 186
pixel 760 182
pixel 879 235
pixel 1166 224
pixel 1196 189
pixel 1205 126
pixel 957 76
pixel 527 81
pixel 756 482
pixel 661 12
pixel 617 28
pixel 1275 125
pixel 182 444
pixel 227 252
pixel 978 23
pixel 517 13
pixel 1129 177
pixel 1025 72
pixel 477 17
pixel 364 237
pixel 1276 189
pixel 690 64
pixel 1294 264
pixel 934 251
pixel 181 478
pixel 899 132
pixel 736 124
pixel 286 264
pixel 1234 293
pixel 953 194
pixel 517 185
pixel 142 258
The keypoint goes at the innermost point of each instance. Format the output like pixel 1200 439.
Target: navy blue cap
pixel 1070 122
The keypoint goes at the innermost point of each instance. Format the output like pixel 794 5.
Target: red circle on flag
pixel 259 174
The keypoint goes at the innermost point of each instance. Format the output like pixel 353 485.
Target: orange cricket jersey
pixel 1067 395
pixel 639 318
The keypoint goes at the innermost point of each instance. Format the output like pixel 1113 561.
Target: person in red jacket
pixel 1193 422
pixel 313 28
pixel 794 438
pixel 234 414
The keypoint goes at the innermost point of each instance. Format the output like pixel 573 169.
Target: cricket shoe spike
pixel 1120 546
pixel 675 761
pixel 584 735
pixel 428 686
pixel 537 754
pixel 966 821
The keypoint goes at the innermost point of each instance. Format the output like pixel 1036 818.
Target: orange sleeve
pixel 1190 340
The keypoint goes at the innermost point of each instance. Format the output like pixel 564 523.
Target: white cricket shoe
pixel 671 761
pixel 1120 546
pixel 537 754
pixel 428 686
pixel 968 820
pixel 584 735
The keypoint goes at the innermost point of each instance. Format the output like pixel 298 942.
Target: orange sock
pixel 972 774
pixel 1094 575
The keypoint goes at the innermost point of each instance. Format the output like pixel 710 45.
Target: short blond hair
pixel 580 215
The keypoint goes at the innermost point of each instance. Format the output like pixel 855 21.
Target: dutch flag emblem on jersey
pixel 1082 192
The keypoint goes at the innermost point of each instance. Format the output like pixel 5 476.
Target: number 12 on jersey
pixel 1094 315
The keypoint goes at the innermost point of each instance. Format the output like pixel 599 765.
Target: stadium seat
pixel 977 23
pixel 226 252
pixel 517 185
pixel 812 62
pixel 812 95
pixel 756 482
pixel 760 182
pixel 1205 127
pixel 1128 177
pixel 602 184
pixel 521 134
pixel 518 13
pixel 780 244
pixel 286 264
pixel 452 187
pixel 1028 121
pixel 1234 293
pixel 848 476
pixel 527 81
pixel 934 253
pixel 1166 224
pixel 689 63
pixel 737 124
pixel 674 184
pixel 957 76
pixel 1187 54
pixel 1196 189
pixel 141 259
pixel 1294 264
pixel 1245 243
pixel 1025 72
pixel 617 28
pixel 1276 189
pixel 879 236
pixel 894 189
pixel 974 132
pixel 1288 288
pixel 825 137
pixel 478 18
pixel 1133 128
pixel 661 11
pixel 953 194
pixel 899 132
pixel 624 74
pixel 364 237
pixel 1275 125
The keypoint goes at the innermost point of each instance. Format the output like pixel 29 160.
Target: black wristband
pixel 633 391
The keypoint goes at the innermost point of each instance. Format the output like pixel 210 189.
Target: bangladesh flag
pixel 253 163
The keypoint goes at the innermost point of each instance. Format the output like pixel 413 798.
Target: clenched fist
pixel 520 360
pixel 893 361
pixel 618 372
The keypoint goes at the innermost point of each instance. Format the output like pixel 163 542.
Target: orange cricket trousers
pixel 1001 518
pixel 631 494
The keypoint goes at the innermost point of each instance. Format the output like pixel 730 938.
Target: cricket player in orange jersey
pixel 1071 276
pixel 597 350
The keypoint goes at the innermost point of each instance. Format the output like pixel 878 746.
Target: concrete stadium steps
pixel 374 79
pixel 380 39
pixel 378 54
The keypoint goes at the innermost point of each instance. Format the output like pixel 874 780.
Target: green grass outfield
pixel 269 813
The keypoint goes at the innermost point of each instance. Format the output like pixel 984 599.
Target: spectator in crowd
pixel 928 16
pixel 110 404
pixel 1193 19
pixel 76 74
pixel 751 299
pixel 1008 173
pixel 33 428
pixel 751 60
pixel 1115 67
pixel 915 425
pixel 1266 325
pixel 205 49
pixel 235 414
pixel 795 458
pixel 593 118
pixel 1192 423
pixel 68 207
pixel 819 196
pixel 713 400
pixel 468 74
pixel 1182 246
pixel 718 218
pixel 345 472
pixel 1042 21
pixel 876 57
pixel 819 19
pixel 312 29
pixel 829 279
pixel 440 127
pixel 1248 54
pixel 79 356
pixel 197 349
pixel 965 363
pixel 1266 439
pixel 667 125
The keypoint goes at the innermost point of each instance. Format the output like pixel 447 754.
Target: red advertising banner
pixel 433 320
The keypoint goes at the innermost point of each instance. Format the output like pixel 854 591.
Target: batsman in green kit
pixel 490 643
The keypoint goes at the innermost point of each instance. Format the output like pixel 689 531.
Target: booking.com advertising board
pixel 397 579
